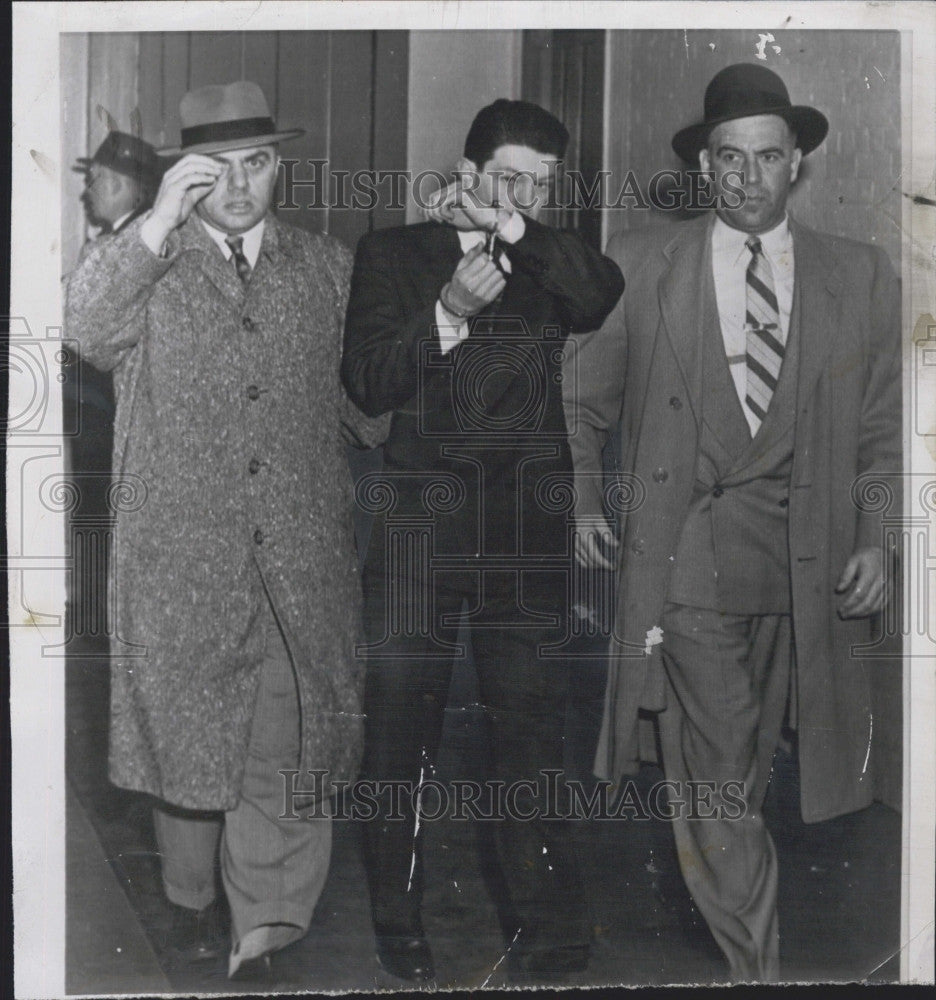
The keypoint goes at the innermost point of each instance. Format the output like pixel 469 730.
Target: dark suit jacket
pixel 642 374
pixel 484 422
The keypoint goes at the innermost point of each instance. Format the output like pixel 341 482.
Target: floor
pixel 839 890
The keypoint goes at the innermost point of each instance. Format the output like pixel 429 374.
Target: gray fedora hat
pixel 226 116
pixel 743 90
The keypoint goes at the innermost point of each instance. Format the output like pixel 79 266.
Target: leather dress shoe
pixel 258 969
pixel 406 956
pixel 196 935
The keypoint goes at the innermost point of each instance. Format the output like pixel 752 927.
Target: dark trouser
pixel 727 681
pixel 524 697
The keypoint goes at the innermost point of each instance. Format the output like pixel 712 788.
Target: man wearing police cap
pixel 753 365
pixel 120 180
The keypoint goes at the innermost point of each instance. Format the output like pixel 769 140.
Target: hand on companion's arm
pixel 862 583
pixel 595 545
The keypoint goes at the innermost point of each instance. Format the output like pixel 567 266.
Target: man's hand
pixel 475 282
pixel 467 204
pixel 591 543
pixel 183 186
pixel 863 583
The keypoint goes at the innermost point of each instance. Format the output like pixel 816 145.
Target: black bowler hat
pixel 125 154
pixel 230 116
pixel 744 90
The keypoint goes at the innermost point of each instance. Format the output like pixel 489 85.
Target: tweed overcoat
pixel 640 374
pixel 231 489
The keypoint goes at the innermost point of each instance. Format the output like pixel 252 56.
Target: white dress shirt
pixel 730 259
pixel 115 228
pixel 252 240
pixel 453 330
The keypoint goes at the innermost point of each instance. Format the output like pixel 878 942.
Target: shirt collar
pixel 731 242
pixel 252 239
pixel 469 238
pixel 115 227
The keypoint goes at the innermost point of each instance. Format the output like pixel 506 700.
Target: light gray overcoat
pixel 231 484
pixel 641 373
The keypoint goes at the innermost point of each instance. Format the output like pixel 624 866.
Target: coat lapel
pixel 194 238
pixel 818 283
pixel 681 301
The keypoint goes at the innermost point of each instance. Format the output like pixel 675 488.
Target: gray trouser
pixel 727 680
pixel 273 870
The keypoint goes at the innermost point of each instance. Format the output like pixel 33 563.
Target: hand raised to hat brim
pixel 183 185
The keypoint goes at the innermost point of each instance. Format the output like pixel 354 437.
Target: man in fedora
pixel 120 181
pixel 753 365
pixel 234 577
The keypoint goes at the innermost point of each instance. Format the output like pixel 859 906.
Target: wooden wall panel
pixel 176 46
pixel 73 56
pixel 351 114
pixel 391 66
pixel 150 87
pixel 260 64
pixel 303 85
pixel 563 71
pixel 216 57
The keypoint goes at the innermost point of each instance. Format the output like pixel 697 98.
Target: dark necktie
pixel 765 341
pixel 242 265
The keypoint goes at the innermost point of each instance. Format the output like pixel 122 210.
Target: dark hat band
pixel 239 128
pixel 732 103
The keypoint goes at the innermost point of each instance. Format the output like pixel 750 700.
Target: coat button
pixel 717 492
pixel 660 475
pixel 253 466
pixel 675 402
pixel 248 323
pixel 258 536
pixel 253 392
pixel 785 502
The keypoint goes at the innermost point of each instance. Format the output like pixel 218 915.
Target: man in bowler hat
pixel 753 365
pixel 235 662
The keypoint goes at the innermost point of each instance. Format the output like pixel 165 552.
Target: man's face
pixel 763 149
pixel 107 195
pixel 242 194
pixel 522 177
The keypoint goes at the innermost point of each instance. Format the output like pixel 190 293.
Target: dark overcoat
pixel 486 419
pixel 641 375
pixel 231 489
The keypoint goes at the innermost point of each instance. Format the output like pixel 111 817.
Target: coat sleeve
pixel 107 293
pixel 585 283
pixel 592 391
pixel 358 429
pixel 879 434
pixel 382 340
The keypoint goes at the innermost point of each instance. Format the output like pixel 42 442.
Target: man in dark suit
pixel 753 369
pixel 458 326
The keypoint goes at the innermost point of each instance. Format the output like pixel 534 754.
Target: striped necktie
pixel 765 340
pixel 236 243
